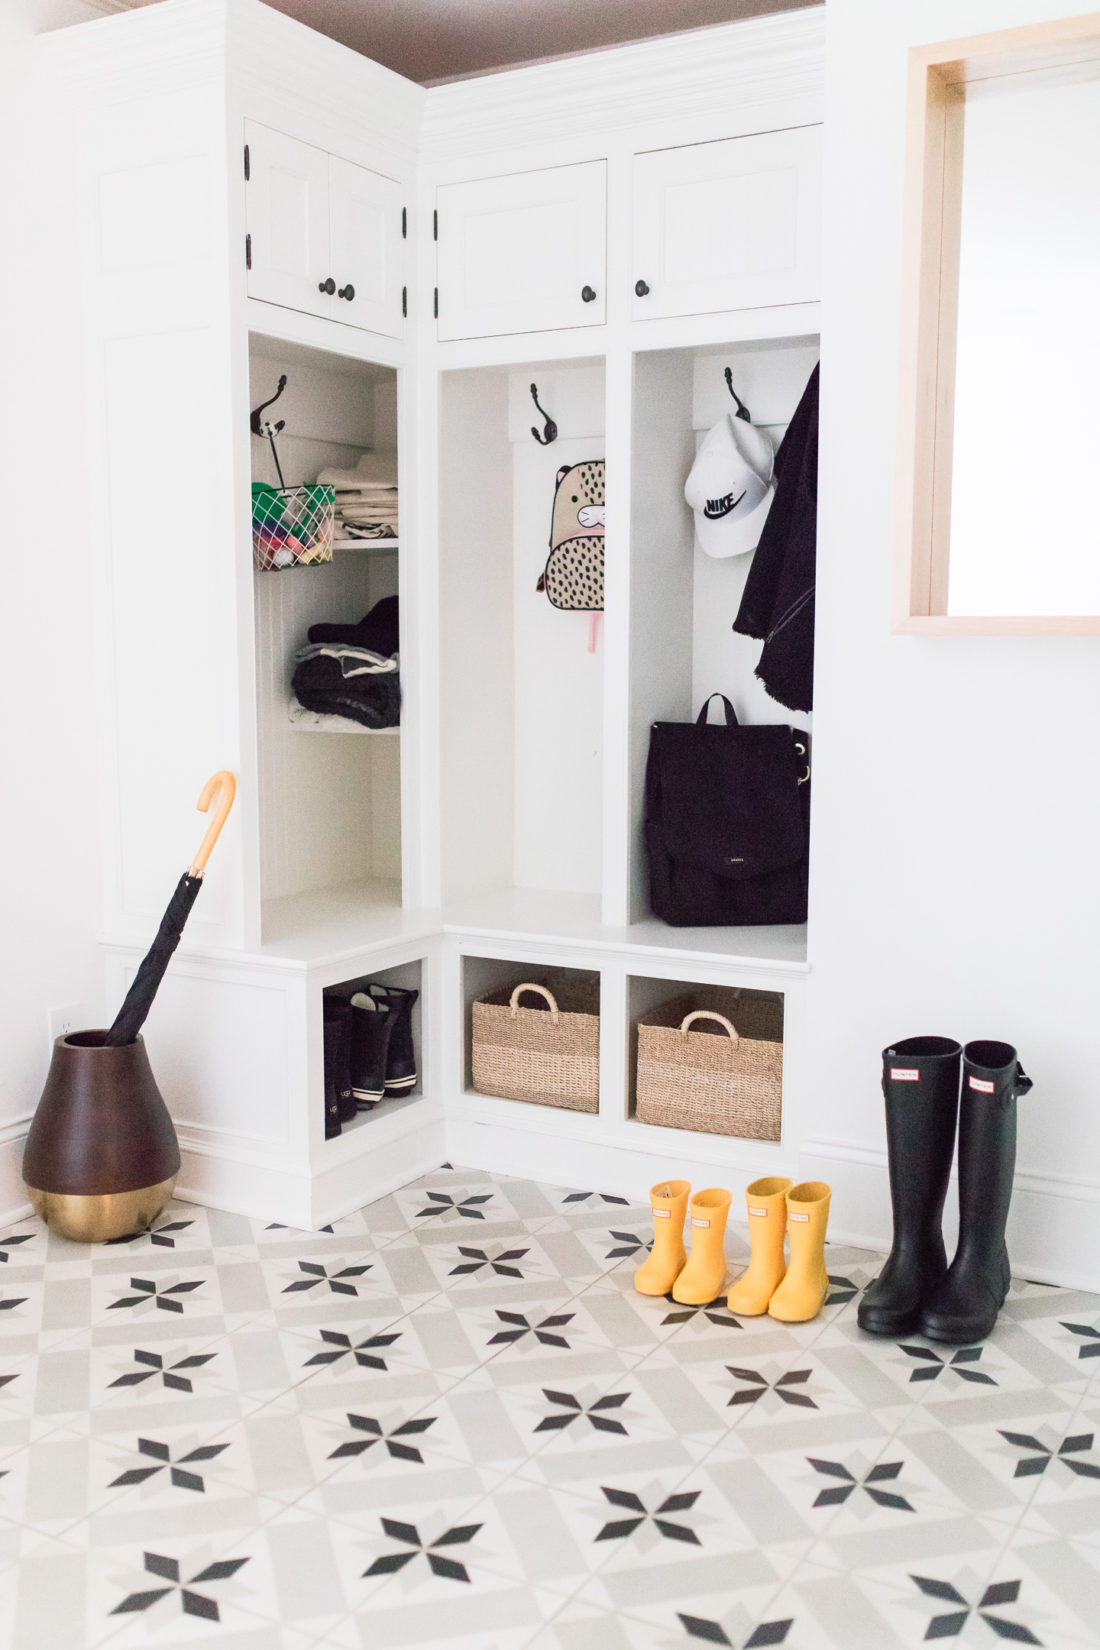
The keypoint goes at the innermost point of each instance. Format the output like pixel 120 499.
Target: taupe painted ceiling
pixel 433 40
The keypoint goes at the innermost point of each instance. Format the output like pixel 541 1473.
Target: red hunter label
pixel 904 1074
pixel 981 1085
pixel 763 1212
pixel 661 1214
pixel 695 1221
pixel 794 1216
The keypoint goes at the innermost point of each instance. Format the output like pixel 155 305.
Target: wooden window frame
pixel 930 241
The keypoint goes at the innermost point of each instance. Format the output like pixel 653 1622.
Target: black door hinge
pixel 404 223
pixel 404 300
pixel 247 164
pixel 435 225
pixel 248 252
pixel 435 307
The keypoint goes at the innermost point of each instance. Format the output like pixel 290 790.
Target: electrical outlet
pixel 64 1020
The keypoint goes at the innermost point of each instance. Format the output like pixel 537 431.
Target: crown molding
pixel 759 60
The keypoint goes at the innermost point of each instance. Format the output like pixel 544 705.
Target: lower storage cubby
pixel 706 1058
pixel 532 1033
pixel 372 1046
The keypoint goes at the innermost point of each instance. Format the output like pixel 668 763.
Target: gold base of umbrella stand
pixel 99 1219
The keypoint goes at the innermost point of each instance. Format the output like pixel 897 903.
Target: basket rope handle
pixel 513 1001
pixel 707 1014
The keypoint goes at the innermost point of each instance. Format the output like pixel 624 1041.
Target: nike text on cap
pixel 730 486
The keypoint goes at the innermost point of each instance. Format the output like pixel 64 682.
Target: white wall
pixel 956 788
pixel 50 881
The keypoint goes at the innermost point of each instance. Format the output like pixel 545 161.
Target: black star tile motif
pixel 1036 1463
pixel 544 1332
pixel 753 1393
pixel 6 1379
pixel 933 1366
pixel 768 1632
pixel 604 1197
pixel 715 1311
pixel 841 1290
pixel 192 1603
pixel 160 1237
pixel 374 1434
pixel 169 1374
pixel 441 1203
pixel 366 1353
pixel 164 1299
pixel 339 1283
pixel 10 1304
pixel 162 1455
pixel 630 1243
pixel 501 1264
pixel 837 1494
pixel 448 1568
pixel 1091 1338
pixel 619 1528
pixel 951 1624
pixel 571 1409
pixel 279 1226
pixel 12 1242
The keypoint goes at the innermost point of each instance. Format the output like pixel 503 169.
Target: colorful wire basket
pixel 291 526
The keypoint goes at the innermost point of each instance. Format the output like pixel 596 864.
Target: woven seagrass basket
pixel 546 1051
pixel 713 1062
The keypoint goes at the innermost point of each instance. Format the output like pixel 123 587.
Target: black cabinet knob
pixel 347 292
pixel 641 289
pixel 328 286
pixel 588 293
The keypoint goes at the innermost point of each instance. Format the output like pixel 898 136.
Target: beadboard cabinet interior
pixel 324 235
pixel 523 253
pixel 499 827
pixel 727 225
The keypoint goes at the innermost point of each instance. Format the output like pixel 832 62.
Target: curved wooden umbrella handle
pixel 225 786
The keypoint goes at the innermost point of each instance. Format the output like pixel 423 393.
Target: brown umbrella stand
pixel 101 1158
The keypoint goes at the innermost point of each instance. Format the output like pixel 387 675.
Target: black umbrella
pixel 139 999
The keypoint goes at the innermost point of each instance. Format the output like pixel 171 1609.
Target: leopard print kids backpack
pixel 573 577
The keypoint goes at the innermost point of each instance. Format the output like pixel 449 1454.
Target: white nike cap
pixel 730 486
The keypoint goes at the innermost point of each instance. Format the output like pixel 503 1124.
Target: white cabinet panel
pixel 521 253
pixel 365 211
pixel 288 221
pixel 728 225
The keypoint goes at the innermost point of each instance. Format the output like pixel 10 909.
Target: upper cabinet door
pixel 367 257
pixel 728 225
pixel 523 253
pixel 288 222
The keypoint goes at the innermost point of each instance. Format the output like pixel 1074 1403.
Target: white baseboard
pixel 13 1197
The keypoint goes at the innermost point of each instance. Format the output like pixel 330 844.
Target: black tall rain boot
pixel 372 1027
pixel 964 1307
pixel 401 1053
pixel 339 1101
pixel 920 1084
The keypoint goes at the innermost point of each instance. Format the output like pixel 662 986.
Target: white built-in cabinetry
pixel 498 830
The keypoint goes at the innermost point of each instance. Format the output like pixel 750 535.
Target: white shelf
pixel 371 546
pixel 541 916
pixel 315 721
pixel 330 925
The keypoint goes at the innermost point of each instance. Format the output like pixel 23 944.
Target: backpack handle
pixel 707 1014
pixel 731 715
pixel 513 1001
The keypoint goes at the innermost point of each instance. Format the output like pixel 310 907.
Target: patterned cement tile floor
pixel 448 1420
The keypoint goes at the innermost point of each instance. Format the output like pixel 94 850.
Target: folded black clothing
pixel 377 630
pixel 373 701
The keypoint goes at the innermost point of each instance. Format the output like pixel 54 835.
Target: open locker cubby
pixel 683 602
pixel 523 689
pixel 330 789
pixel 574 989
pixel 761 1013
pixel 410 977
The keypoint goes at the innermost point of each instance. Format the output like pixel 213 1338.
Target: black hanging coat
pixel 778 603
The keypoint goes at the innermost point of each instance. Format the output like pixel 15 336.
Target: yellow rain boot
pixel 802 1293
pixel 703 1277
pixel 668 1203
pixel 767 1206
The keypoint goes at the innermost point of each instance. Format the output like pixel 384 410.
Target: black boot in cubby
pixel 964 1306
pixel 920 1084
pixel 339 1100
pixel 401 1071
pixel 372 1026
